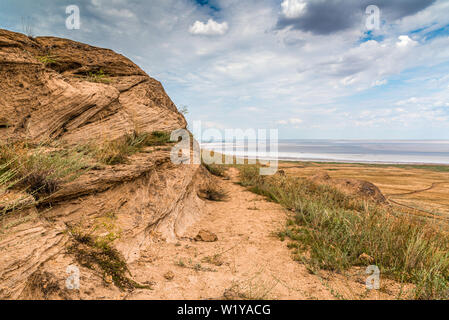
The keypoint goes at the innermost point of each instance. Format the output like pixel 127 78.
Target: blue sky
pixel 310 68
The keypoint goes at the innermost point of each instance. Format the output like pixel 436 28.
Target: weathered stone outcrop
pixel 58 90
pixel 360 188
pixel 61 89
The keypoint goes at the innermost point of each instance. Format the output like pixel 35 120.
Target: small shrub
pixel 39 183
pixel 194 266
pixel 98 77
pixel 27 27
pixel 213 193
pixel 98 255
pixel 157 138
pixel 215 260
pixel 180 263
pixel 184 110
pixel 47 60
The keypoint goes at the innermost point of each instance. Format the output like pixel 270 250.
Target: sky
pixel 313 69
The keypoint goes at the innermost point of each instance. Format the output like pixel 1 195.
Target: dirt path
pixel 417 191
pixel 248 260
pixel 428 213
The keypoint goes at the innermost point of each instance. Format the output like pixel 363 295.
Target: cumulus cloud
pixel 318 66
pixel 211 28
pixel 293 8
pixel 405 41
pixel 331 16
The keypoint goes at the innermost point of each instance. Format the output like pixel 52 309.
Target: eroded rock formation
pixel 360 188
pixel 58 90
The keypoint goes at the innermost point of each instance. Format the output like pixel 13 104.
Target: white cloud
pixel 349 80
pixel 405 41
pixel 286 73
pixel 440 103
pixel 210 28
pixel 293 8
pixel 213 125
pixel 379 83
pixel 412 100
pixel 252 109
pixel 295 121
pixel 292 121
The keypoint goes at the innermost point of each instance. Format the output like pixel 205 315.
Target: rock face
pixel 360 188
pixel 63 91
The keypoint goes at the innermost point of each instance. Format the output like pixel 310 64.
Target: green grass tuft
pixel 98 77
pixel 331 230
pixel 47 60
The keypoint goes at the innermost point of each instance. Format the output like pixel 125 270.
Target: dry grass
pixel 40 170
pixel 216 170
pixel 330 230
pixel 118 151
pixel 193 265
pixel 36 170
pixel 254 288
pixel 422 187
pixel 97 254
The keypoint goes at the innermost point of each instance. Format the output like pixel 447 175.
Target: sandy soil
pixel 247 261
